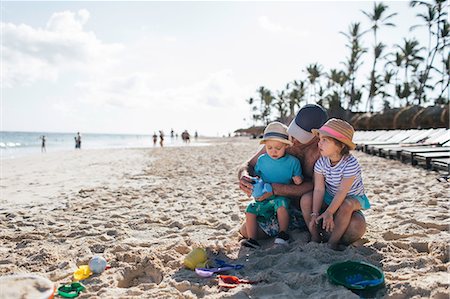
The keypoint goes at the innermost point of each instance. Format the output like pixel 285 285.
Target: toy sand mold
pixel 26 286
pixel 359 277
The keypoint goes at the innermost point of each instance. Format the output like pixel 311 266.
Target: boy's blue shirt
pixel 278 171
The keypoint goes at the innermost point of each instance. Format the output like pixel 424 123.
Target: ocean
pixel 19 144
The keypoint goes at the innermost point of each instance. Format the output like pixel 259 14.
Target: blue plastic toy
pixel 222 266
pixel 259 188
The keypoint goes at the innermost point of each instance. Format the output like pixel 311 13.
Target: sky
pixel 140 67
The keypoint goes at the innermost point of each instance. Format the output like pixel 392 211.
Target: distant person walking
pixel 161 138
pixel 78 141
pixel 196 135
pixel 155 138
pixel 186 137
pixel 172 134
pixel 43 139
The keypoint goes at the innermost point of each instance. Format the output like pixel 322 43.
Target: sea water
pixel 18 144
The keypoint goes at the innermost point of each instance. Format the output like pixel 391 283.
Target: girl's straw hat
pixel 338 129
pixel 276 131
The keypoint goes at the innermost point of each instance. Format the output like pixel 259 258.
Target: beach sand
pixel 145 209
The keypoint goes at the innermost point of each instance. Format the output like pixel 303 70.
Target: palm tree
pixel 295 96
pixel 375 82
pixel 253 111
pixel 410 59
pixel 266 98
pixel 314 71
pixel 444 82
pixel 353 63
pixel 337 79
pixel 392 67
pixel 377 18
pixel 280 105
pixel 437 24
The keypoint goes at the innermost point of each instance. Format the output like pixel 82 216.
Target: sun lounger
pixel 409 153
pixel 363 137
pixel 428 157
pixel 425 139
pixel 441 163
pixel 401 137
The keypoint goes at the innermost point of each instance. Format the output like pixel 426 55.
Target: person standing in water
pixel 78 141
pixel 161 138
pixel 155 138
pixel 43 139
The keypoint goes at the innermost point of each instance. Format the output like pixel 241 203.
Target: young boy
pixel 273 167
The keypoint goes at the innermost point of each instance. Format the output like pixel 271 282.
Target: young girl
pixel 338 186
pixel 273 167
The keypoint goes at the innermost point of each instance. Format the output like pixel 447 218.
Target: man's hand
pixel 260 187
pixel 246 184
pixel 261 190
pixel 328 222
pixel 265 196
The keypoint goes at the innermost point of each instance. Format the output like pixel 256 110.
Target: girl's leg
pixel 355 229
pixel 251 226
pixel 342 220
pixel 283 219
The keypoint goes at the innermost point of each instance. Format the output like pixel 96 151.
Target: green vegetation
pixel 410 74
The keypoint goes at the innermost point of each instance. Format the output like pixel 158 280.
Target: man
pixel 305 148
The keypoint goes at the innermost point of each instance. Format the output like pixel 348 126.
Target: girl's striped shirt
pixel 347 167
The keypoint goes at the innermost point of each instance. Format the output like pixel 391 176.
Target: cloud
pixel 31 54
pixel 132 90
pixel 270 26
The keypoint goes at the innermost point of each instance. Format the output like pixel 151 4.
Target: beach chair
pixel 441 163
pixel 414 138
pixel 378 138
pixel 409 153
pixel 428 157
pixel 364 136
pixel 398 138
pixel 426 139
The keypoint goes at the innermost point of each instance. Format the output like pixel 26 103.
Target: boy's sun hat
pixel 310 116
pixel 276 131
pixel 338 129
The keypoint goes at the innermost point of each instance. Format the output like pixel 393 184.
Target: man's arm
pixel 293 191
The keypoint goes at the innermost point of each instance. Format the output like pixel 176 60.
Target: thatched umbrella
pixel 383 120
pixel 254 131
pixel 432 117
pixel 403 119
pixel 361 121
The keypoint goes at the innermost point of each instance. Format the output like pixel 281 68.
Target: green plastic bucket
pixel 356 276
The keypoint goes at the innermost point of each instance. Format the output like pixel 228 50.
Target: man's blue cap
pixel 310 116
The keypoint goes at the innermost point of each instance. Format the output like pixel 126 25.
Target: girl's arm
pixel 327 216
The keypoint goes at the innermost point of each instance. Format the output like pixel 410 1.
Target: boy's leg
pixel 283 219
pixel 260 234
pixel 342 220
pixel 251 225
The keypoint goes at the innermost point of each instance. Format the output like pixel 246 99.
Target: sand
pixel 145 209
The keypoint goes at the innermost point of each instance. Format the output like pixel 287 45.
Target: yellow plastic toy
pixel 82 272
pixel 197 258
